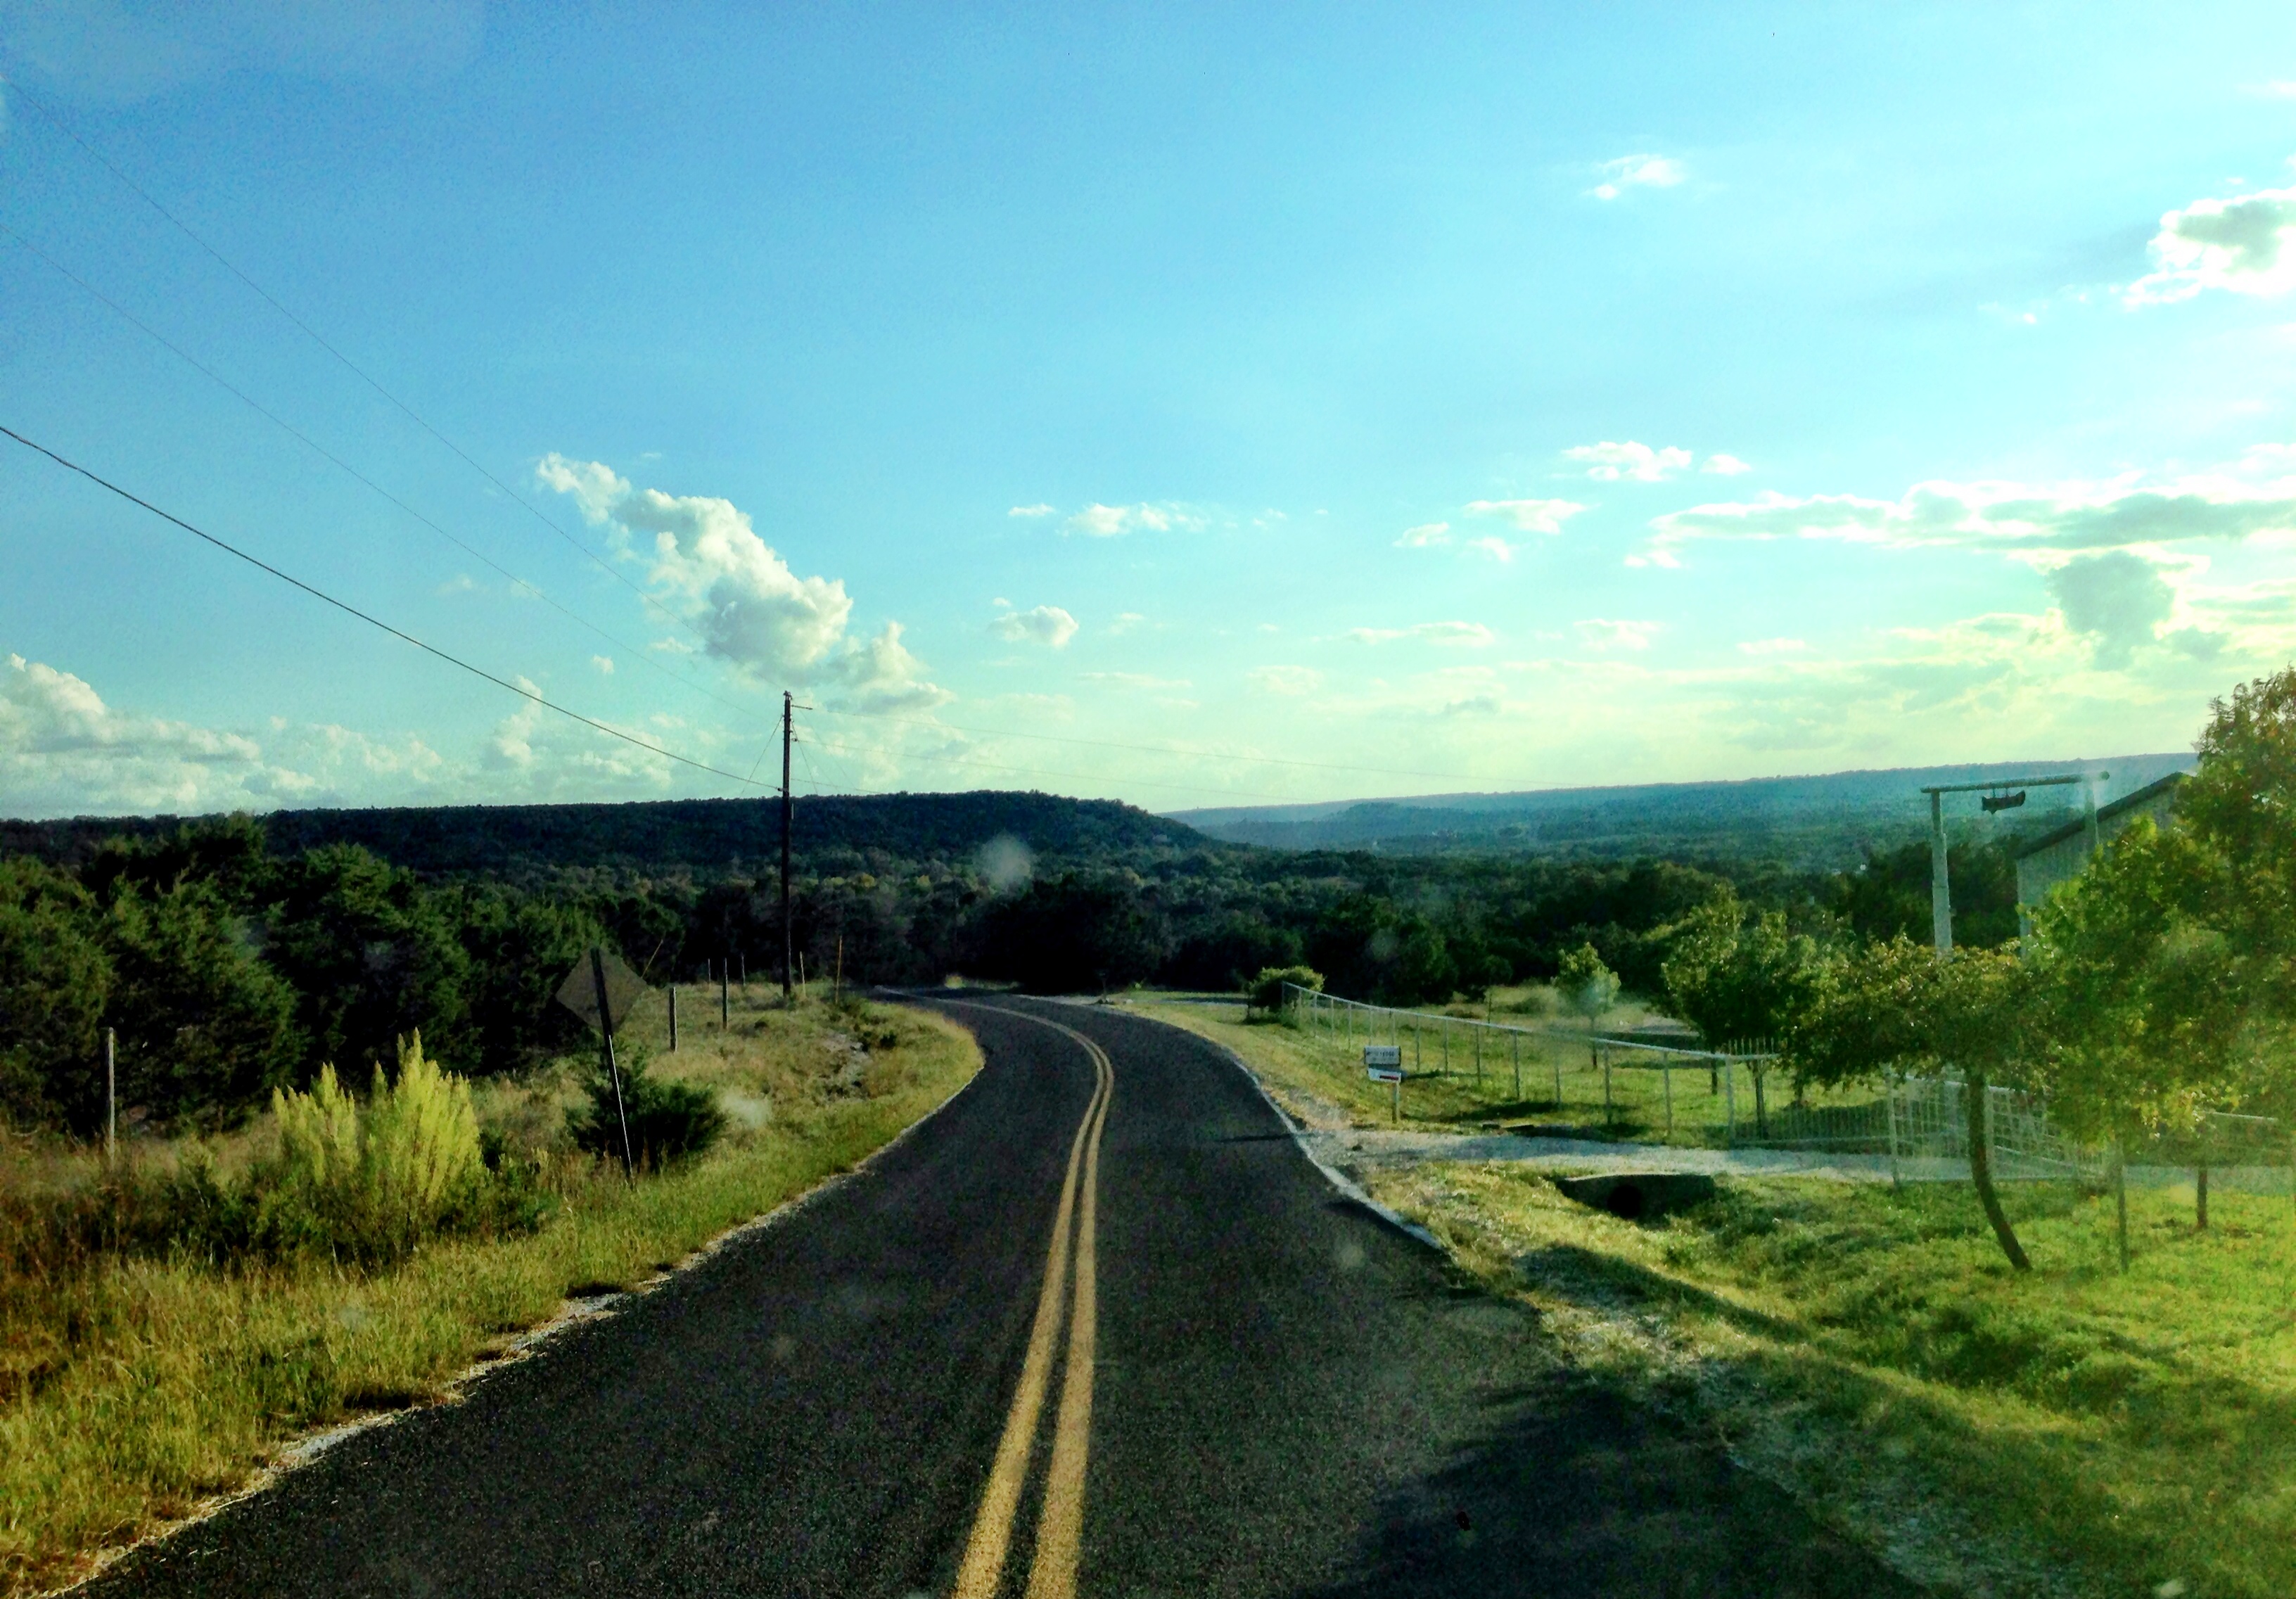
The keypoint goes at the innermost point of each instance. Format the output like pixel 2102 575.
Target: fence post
pixel 1479 1054
pixel 1890 1099
pixel 1446 1046
pixel 1608 1114
pixel 1514 1042
pixel 1666 1075
pixel 110 1097
pixel 1729 1070
pixel 1417 1031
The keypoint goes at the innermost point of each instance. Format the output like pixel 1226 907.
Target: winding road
pixel 1098 1326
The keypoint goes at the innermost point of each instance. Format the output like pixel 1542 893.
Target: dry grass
pixel 132 1388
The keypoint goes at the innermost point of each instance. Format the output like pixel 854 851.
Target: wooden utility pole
pixel 789 939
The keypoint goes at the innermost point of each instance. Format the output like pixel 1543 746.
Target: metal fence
pixel 1723 1096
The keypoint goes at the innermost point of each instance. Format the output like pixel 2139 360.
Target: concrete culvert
pixel 1635 1195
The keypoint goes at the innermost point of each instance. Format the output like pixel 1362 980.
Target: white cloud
pixel 1108 522
pixel 1284 679
pixel 1125 621
pixel 2031 522
pixel 1601 633
pixel 749 608
pixel 1135 680
pixel 1032 510
pixel 1470 634
pixel 1044 624
pixel 604 663
pixel 1771 646
pixel 2245 243
pixel 1497 549
pixel 880 674
pixel 461 583
pixel 1610 462
pixel 1643 171
pixel 1424 535
pixel 1724 466
pixel 1531 516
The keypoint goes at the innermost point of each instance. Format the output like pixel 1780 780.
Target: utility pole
pixel 789 940
pixel 1941 890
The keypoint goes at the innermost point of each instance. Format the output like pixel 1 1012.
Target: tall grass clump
pixel 372 1183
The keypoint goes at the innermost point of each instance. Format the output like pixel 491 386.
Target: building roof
pixel 2104 813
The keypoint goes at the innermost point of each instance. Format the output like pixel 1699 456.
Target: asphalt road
pixel 889 1393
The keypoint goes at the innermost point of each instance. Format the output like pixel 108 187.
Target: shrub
pixel 376 1184
pixel 667 1121
pixel 1266 990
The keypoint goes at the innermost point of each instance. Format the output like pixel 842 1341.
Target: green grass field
pixel 2071 1431
pixel 1462 1078
pixel 132 1389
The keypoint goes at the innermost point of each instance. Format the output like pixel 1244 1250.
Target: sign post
pixel 599 989
pixel 1384 1063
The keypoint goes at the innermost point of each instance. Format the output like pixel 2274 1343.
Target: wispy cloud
pixel 1032 511
pixel 604 664
pixel 1108 522
pixel 1469 635
pixel 1609 462
pixel 1141 680
pixel 1601 633
pixel 1531 516
pixel 1424 535
pixel 1644 171
pixel 1288 680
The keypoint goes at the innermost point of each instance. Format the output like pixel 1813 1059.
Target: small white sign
pixel 1385 1074
pixel 1382 1055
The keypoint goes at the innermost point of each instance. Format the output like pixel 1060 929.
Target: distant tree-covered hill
pixel 1825 823
pixel 705 836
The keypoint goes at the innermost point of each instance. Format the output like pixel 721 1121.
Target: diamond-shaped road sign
pixel 579 992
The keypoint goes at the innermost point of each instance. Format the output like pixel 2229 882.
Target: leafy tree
pixel 207 1031
pixel 1734 975
pixel 1586 984
pixel 1901 1007
pixel 2239 811
pixel 1888 897
pixel 520 948
pixel 56 980
pixel 1075 934
pixel 1266 991
pixel 1221 951
pixel 371 956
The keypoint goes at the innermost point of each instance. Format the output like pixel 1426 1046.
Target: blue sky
pixel 1243 402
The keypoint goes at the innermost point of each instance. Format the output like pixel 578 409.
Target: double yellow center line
pixel 1053 1569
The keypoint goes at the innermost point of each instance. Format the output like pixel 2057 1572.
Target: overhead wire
pixel 356 370
pixel 313 444
pixel 372 621
pixel 581 547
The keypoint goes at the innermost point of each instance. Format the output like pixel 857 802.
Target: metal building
pixel 2063 852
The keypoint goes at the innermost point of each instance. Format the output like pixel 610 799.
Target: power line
pixel 356 370
pixel 321 450
pixel 372 621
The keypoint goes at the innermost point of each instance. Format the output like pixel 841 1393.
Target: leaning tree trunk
pixel 1981 1173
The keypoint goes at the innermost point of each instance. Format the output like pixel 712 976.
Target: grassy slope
pixel 1325 1064
pixel 2075 1430
pixel 142 1387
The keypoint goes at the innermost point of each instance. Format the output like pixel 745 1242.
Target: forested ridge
pixel 233 954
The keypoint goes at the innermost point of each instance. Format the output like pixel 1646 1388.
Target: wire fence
pixel 1591 1083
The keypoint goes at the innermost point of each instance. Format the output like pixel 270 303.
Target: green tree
pixel 1733 975
pixel 1900 1006
pixel 207 1031
pixel 1586 984
pixel 371 956
pixel 56 980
